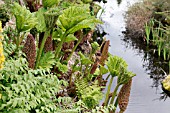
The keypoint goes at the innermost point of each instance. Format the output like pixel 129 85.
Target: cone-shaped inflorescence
pixel 104 51
pixel 123 97
pixel 48 44
pixel 30 50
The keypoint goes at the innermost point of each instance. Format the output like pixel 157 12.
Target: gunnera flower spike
pixel 30 50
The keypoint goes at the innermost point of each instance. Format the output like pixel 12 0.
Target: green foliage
pixel 73 19
pixel 118 67
pixel 89 93
pixel 101 70
pixel 160 36
pixel 26 90
pixel 50 3
pixel 73 15
pixel 51 16
pixel 8 47
pixel 103 109
pixel 95 47
pixel 87 1
pixel 25 20
pixel 47 61
pixel 70 38
pixel 84 60
pixel 62 67
pixel 41 26
pixel 77 17
pixel 147 30
pixel 115 65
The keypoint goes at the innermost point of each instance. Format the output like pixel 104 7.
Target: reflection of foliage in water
pixel 99 34
pixel 153 65
pixel 119 2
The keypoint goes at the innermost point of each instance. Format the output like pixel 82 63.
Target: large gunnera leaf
pixel 25 20
pixel 41 26
pixel 77 17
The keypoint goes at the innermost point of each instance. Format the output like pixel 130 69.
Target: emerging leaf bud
pixel 51 17
pixel 50 3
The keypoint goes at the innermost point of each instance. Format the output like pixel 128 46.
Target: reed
pixel 147 31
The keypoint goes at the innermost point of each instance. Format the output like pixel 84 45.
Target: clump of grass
pixel 136 17
pixel 140 13
pixel 149 20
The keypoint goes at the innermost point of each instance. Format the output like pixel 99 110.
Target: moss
pixel 166 83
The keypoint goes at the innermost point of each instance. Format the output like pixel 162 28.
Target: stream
pixel 144 98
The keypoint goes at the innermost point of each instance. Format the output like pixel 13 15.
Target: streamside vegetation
pixel 49 62
pixel 149 21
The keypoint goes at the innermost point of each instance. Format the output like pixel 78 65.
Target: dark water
pixel 146 89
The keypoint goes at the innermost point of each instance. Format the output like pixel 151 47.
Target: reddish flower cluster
pixel 123 97
pixel 48 44
pixel 30 50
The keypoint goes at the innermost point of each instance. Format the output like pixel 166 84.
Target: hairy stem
pixel 116 103
pixel 17 40
pixel 107 77
pixel 114 94
pixel 60 44
pixel 21 38
pixel 108 92
pixel 41 47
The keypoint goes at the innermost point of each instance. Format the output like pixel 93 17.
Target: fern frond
pixel 26 90
pixel 89 93
pixel 47 61
pixel 103 109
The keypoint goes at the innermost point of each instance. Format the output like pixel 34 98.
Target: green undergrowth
pixel 47 70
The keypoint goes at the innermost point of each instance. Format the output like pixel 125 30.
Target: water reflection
pixel 144 98
pixel 119 2
pixel 156 67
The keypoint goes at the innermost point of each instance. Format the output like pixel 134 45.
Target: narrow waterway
pixel 144 98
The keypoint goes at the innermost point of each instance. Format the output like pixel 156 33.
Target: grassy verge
pixel 149 21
